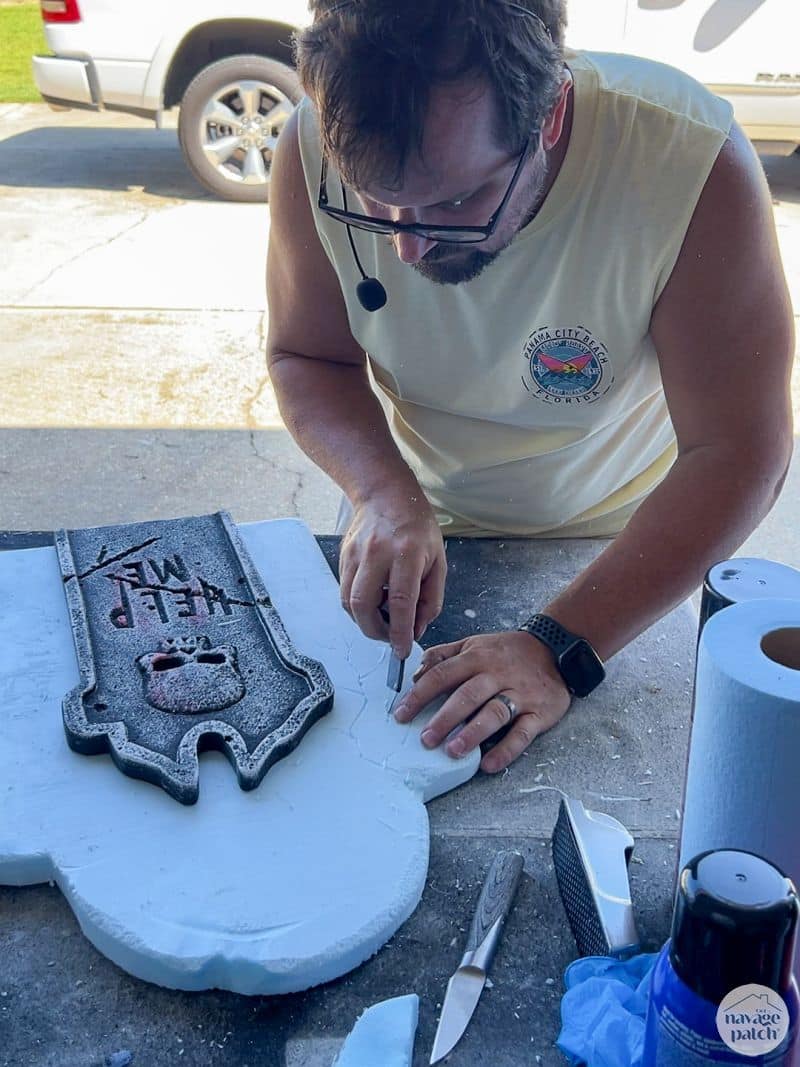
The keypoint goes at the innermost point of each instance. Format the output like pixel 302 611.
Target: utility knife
pixel 394 677
pixel 466 985
pixel 397 666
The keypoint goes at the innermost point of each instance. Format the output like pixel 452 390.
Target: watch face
pixel 580 668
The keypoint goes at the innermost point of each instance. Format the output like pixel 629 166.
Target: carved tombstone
pixel 180 650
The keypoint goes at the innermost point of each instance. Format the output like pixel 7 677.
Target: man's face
pixel 459 180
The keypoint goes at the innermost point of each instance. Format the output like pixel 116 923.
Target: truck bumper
pixel 64 81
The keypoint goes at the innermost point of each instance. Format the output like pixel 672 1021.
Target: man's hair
pixel 369 67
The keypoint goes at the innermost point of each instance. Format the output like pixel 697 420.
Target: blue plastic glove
pixel 604 1009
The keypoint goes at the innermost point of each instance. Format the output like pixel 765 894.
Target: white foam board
pixel 271 891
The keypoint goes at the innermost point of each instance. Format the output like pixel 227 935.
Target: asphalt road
pixel 132 324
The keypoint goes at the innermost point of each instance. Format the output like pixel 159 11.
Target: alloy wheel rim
pixel 239 128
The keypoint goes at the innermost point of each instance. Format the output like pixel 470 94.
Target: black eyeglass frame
pixel 420 229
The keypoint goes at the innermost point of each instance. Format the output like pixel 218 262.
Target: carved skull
pixel 187 676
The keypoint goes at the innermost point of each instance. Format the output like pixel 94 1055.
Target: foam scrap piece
pixel 383 1035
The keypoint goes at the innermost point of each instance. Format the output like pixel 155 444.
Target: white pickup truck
pixel 227 64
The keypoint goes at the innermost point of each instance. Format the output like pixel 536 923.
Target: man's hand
pixel 392 556
pixel 474 671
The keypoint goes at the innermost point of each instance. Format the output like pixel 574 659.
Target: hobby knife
pixel 466 985
pixel 397 666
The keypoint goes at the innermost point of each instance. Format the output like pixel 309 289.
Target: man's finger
pixel 436 654
pixel 473 698
pixel 525 729
pixel 443 677
pixel 401 602
pixel 347 572
pixel 431 597
pixel 366 598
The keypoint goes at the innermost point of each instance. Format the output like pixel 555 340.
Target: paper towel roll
pixel 743 775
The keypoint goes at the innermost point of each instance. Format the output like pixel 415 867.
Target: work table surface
pixel 621 751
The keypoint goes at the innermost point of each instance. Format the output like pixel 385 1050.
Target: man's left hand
pixel 474 671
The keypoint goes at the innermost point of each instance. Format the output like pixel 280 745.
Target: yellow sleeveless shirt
pixel 528 401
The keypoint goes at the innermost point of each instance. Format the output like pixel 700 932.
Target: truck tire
pixel 230 118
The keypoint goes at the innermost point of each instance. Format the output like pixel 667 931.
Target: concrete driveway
pixel 132 316
pixel 132 323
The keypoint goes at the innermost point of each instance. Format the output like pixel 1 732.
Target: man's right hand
pixel 392 556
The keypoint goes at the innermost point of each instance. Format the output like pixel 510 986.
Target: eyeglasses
pixel 433 232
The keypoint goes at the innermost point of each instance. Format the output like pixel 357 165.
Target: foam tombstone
pixel 260 891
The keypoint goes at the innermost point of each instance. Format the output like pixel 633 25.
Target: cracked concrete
pixel 281 471
pixel 31 293
pixel 88 477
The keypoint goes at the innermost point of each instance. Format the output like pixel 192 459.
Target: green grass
pixel 21 36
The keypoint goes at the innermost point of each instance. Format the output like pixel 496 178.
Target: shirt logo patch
pixel 566 366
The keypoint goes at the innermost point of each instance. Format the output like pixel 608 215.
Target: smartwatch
pixel 576 660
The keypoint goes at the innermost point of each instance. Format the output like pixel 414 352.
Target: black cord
pixel 350 235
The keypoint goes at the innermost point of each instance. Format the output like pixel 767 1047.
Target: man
pixel 610 356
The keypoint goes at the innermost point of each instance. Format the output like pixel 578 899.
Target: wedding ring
pixel 509 703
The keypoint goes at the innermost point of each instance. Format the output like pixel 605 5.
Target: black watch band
pixel 578 664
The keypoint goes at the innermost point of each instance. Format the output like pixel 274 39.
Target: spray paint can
pixel 723 990
pixel 734 581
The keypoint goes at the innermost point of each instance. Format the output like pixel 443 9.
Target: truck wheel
pixel 230 118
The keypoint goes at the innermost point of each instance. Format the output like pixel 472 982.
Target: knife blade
pixel 466 985
pixel 394 678
pixel 397 666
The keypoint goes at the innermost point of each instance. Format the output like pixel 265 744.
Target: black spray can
pixel 723 990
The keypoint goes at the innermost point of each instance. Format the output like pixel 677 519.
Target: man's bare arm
pixel 317 368
pixel 723 329
pixel 320 379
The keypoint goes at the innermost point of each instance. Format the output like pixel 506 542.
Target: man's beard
pixel 465 266
pixel 466 262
